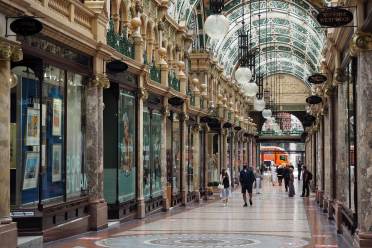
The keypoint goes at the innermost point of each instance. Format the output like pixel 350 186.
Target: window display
pixel 152 153
pixel 126 132
pixel 39 123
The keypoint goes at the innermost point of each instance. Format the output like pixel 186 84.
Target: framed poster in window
pixel 31 170
pixel 33 127
pixel 57 117
pixel 56 162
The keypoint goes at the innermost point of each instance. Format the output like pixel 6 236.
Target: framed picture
pixel 56 162
pixel 31 170
pixel 57 117
pixel 33 127
pixel 43 157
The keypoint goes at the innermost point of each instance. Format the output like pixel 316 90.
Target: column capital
pixel 142 93
pixel 10 51
pixel 360 42
pixel 100 80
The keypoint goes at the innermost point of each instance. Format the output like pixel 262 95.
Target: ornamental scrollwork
pixel 100 80
pixel 142 93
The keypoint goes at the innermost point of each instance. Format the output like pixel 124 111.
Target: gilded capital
pixel 196 128
pixel 5 51
pixel 360 42
pixel 101 81
pixel 142 93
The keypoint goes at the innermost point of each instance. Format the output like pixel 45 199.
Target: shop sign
pixel 26 25
pixel 116 66
pixel 22 214
pixel 314 99
pixel 334 17
pixel 317 78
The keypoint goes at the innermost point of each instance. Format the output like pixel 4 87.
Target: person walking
pixel 306 178
pixel 280 172
pixel 247 179
pixel 258 176
pixel 225 181
pixel 286 176
pixel 299 169
pixel 291 190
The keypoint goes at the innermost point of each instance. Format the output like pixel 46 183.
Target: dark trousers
pixel 299 174
pixel 305 187
pixel 286 183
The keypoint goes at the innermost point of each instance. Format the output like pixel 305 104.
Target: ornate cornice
pixel 360 42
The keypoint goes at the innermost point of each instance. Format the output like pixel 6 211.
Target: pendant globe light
pixel 250 89
pixel 259 104
pixel 216 25
pixel 243 75
pixel 266 113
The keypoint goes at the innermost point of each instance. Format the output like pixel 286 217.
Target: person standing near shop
pixel 286 176
pixel 306 178
pixel 226 187
pixel 299 169
pixel 247 179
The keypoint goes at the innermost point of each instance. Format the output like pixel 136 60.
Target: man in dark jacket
pixel 247 179
pixel 306 178
pixel 286 176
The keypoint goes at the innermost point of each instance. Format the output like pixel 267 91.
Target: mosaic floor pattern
pixel 201 241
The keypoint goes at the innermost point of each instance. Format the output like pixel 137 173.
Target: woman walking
pixel 291 191
pixel 225 181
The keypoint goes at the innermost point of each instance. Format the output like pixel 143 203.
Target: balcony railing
pixel 155 73
pixel 119 42
pixel 173 82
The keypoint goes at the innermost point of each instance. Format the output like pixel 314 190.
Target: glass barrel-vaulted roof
pixel 288 29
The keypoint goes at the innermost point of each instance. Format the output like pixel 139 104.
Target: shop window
pixel 351 133
pixel 47 133
pixel 152 153
pixel 189 159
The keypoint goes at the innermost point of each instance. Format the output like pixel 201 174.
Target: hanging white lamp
pixel 259 104
pixel 250 89
pixel 216 26
pixel 243 75
pixel 266 113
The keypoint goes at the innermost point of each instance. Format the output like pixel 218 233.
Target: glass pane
pixel 76 178
pixel 176 154
pixel 126 133
pixel 190 157
pixel 351 136
pixel 53 187
pixel 146 153
pixel 156 153
pixel 25 137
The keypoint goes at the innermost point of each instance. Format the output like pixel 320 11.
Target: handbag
pixel 220 186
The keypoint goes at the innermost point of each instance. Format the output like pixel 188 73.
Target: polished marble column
pixel 94 157
pixel 364 146
pixel 196 160
pixel 8 229
pixel 183 125
pixel 142 95
pixel 164 181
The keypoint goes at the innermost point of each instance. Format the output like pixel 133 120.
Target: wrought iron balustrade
pixel 173 82
pixel 119 42
pixel 155 73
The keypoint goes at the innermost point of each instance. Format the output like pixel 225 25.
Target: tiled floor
pixel 274 220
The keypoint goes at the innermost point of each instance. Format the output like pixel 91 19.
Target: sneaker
pixel 250 202
pixel 245 205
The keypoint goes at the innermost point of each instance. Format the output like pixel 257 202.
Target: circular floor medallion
pixel 201 241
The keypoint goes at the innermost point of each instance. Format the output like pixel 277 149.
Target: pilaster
pixel 196 160
pixel 142 96
pixel 9 51
pixel 164 181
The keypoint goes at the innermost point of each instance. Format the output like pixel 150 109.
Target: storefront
pixel 152 142
pixel 173 154
pixel 48 169
pixel 190 159
pixel 120 145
